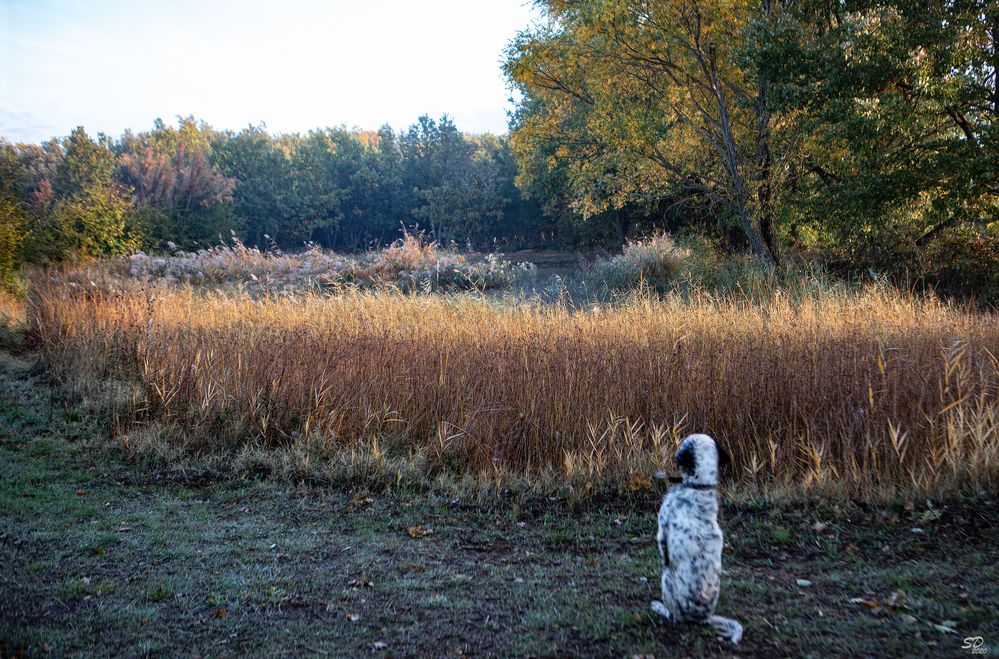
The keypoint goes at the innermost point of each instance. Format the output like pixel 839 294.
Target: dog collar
pixel 699 486
pixel 693 486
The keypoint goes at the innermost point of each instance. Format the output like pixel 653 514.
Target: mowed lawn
pixel 102 557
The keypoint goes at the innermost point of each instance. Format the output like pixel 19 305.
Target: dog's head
pixel 699 458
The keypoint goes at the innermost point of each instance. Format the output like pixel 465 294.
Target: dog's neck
pixel 688 481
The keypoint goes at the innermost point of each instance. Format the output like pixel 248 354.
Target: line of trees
pixel 189 184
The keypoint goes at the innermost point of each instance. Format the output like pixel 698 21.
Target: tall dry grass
pixel 868 392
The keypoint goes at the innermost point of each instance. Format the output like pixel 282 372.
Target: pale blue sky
pixel 294 64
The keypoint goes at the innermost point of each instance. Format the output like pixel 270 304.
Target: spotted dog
pixel 690 540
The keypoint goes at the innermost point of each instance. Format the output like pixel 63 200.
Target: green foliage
pixel 188 186
pixel 350 190
pixel 93 223
pixel 867 130
pixel 13 216
pixel 963 262
pixel 77 207
pixel 899 100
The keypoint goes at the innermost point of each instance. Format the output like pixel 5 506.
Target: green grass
pixel 102 556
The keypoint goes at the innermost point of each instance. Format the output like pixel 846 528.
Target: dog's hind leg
pixel 727 628
pixel 662 608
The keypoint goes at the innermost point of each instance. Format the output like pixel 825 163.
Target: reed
pixel 866 392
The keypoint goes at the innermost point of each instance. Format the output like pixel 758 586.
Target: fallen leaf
pixel 358 501
pixel 81 493
pixel 419 531
pixel 221 613
pixel 897 600
pixel 638 482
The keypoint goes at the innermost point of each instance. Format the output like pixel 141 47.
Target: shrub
pixel 410 263
pixel 689 263
pixel 964 263
pixel 655 262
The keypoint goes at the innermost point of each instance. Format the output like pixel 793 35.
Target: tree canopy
pixel 850 125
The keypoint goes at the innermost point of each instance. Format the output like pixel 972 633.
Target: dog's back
pixel 694 541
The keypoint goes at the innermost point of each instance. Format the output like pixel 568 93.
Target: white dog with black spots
pixel 690 540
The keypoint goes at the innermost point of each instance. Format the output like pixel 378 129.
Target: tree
pixel 644 100
pixel 177 187
pixel 262 172
pixel 84 212
pixel 96 222
pixel 13 214
pixel 317 191
pixel 900 100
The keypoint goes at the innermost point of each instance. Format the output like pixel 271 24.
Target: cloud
pixel 20 126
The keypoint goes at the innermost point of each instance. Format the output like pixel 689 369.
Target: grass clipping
pixel 864 392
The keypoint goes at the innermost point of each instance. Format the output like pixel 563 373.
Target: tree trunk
pixel 764 165
pixel 621 225
pixel 995 65
pixel 739 192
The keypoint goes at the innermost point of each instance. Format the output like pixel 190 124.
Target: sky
pixel 109 65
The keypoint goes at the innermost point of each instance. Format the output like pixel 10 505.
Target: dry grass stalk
pixel 867 392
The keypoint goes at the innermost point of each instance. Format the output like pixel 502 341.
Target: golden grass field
pixel 865 392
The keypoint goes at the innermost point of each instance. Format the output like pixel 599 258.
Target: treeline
pixel 863 134
pixel 189 185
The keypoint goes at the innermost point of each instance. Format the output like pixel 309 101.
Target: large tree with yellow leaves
pixel 652 99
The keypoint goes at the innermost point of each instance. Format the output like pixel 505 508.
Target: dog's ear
pixel 724 460
pixel 686 460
